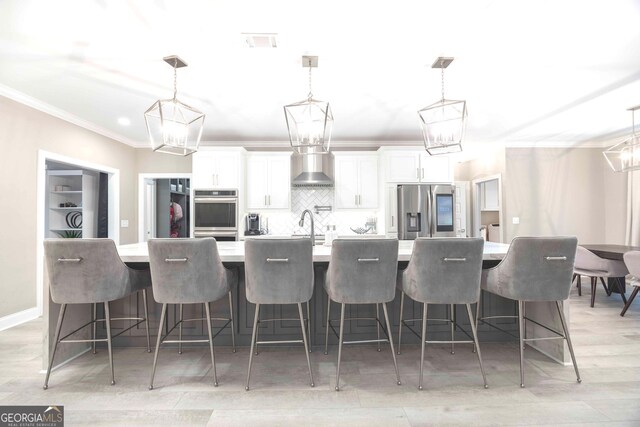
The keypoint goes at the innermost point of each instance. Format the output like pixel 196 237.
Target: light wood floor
pixel 607 347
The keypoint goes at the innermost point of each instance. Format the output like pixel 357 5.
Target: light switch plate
pixel 124 223
pixel 515 220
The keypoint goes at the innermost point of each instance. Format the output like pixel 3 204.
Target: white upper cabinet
pixel 216 168
pixel 268 180
pixel 356 181
pixel 416 166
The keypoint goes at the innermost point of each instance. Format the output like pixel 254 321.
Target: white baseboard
pixel 18 318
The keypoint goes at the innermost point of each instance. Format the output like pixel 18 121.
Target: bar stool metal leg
pixel 340 339
pixel 146 319
pixel 393 352
pixel 476 344
pixel 400 327
pixel 213 356
pixel 107 317
pixel 452 327
pixel 94 317
pixel 521 337
pixel 233 328
pixel 163 317
pixel 309 326
pixel 180 330
pixel 326 336
pixel 306 345
pixel 257 331
pixel 378 324
pixel 63 308
pixel 565 328
pixel 254 336
pixel 424 339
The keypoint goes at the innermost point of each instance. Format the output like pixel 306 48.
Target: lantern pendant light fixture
pixel 174 127
pixel 625 156
pixel 309 122
pixel 443 122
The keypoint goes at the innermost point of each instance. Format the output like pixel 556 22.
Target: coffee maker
pixel 253 225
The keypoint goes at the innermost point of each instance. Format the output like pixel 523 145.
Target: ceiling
pixel 532 72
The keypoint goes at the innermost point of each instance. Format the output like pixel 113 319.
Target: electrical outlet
pixel 515 220
pixel 124 223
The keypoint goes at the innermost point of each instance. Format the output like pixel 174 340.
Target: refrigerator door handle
pixel 431 214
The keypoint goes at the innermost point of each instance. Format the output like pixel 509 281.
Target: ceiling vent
pixel 262 40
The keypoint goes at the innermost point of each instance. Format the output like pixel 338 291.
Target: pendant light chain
pixel 442 77
pixel 310 95
pixel 175 79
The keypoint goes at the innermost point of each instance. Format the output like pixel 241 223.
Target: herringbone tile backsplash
pixel 286 223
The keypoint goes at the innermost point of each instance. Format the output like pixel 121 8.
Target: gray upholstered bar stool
pixel 535 269
pixel 278 271
pixel 189 271
pixel 443 271
pixel 632 261
pixel 361 271
pixel 90 271
pixel 591 265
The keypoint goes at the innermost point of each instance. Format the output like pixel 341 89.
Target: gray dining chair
pixel 278 271
pixel 535 269
pixel 591 265
pixel 189 271
pixel 361 271
pixel 442 271
pixel 90 271
pixel 632 261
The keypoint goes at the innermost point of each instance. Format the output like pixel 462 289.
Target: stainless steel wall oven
pixel 216 214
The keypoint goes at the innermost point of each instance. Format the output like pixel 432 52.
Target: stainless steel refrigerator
pixel 426 210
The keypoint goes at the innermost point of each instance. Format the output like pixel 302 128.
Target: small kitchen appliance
pixel 253 225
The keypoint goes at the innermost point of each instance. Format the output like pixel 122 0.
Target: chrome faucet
pixel 301 224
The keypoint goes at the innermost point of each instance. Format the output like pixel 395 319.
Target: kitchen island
pixel 232 255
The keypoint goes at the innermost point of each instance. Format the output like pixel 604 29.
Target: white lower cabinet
pixel 391 208
pixel 268 180
pixel 356 181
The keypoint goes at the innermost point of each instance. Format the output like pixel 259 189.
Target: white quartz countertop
pixel 234 251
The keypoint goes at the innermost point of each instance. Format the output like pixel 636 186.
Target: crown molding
pixel 49 109
pixel 558 144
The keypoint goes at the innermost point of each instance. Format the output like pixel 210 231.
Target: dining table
pixel 613 252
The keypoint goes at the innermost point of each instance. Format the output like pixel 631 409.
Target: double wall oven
pixel 216 214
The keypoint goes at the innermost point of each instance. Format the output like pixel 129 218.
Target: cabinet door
pixel 403 167
pixel 227 170
pixel 346 183
pixel 202 169
pixel 257 174
pixel 279 182
pixel 391 209
pixel 435 168
pixel 368 182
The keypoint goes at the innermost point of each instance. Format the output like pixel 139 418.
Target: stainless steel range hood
pixel 312 170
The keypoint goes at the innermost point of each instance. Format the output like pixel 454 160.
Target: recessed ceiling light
pixel 263 40
pixel 124 121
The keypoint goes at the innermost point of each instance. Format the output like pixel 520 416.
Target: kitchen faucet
pixel 301 224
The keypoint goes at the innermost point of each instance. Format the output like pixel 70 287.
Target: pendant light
pixel 309 122
pixel 443 122
pixel 625 156
pixel 174 127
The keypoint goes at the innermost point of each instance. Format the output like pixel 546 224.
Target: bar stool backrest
pixel 632 261
pixel 85 271
pixel 537 268
pixel 278 271
pixel 363 271
pixel 187 271
pixel 444 270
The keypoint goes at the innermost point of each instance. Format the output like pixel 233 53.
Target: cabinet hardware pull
pixel 454 259
pixel 269 197
pixel 555 258
pixel 368 259
pixel 422 173
pixel 175 260
pixel 392 220
pixel 277 259
pixel 355 197
pixel 265 200
pixel 69 259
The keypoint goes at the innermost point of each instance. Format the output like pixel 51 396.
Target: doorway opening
pixel 164 206
pixel 487 208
